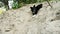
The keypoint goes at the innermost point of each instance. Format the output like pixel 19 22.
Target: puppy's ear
pixel 31 7
pixel 41 5
pixel 34 6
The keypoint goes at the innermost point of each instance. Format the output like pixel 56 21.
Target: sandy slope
pixel 21 21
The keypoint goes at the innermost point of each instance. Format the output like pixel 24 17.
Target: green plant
pixel 20 3
pixel 15 5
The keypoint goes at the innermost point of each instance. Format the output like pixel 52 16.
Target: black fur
pixel 35 9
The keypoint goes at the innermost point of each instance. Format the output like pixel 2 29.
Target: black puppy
pixel 35 9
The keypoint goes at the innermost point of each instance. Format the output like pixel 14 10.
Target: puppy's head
pixel 33 9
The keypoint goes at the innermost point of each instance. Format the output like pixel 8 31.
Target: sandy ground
pixel 21 21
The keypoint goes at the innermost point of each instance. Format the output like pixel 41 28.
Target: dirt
pixel 21 21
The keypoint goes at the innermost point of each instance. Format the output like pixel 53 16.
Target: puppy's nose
pixel 33 12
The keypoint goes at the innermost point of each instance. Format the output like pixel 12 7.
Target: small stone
pixel 52 19
pixel 57 13
pixel 7 30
